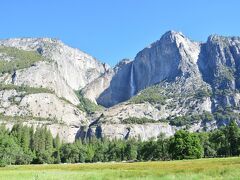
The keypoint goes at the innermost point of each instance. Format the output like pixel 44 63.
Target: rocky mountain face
pixel 46 88
pixel 172 56
pixel 172 84
pixel 219 64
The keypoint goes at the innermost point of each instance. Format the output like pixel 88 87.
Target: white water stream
pixel 132 84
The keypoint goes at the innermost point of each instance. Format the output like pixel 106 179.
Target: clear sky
pixel 114 29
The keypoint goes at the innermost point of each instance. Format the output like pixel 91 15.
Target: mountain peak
pixel 173 35
pixel 169 36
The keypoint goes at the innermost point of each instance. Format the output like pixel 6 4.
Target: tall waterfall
pixel 132 84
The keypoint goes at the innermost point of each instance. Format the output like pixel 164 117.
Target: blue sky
pixel 114 29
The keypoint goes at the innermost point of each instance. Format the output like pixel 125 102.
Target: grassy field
pixel 224 168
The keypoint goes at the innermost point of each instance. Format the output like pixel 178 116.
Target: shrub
pixel 190 119
pixel 135 120
pixel 201 93
pixel 185 145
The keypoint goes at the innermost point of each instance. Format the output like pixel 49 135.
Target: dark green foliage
pixel 181 120
pixel 130 150
pixel 22 136
pixel 135 120
pixel 190 119
pixel 10 152
pixel 154 150
pixel 219 142
pixel 56 151
pixel 209 150
pixel 220 115
pixel 72 153
pixel 162 151
pixel 207 116
pixel 14 146
pixel 185 145
pixel 148 150
pixel 87 105
pixel 225 114
pixel 43 146
pixel 201 93
pixel 233 136
pixel 23 145
pixel 19 59
pixel 226 140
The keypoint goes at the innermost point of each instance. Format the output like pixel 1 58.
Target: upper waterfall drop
pixel 132 84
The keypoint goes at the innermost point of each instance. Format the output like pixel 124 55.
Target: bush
pixel 201 93
pixel 190 119
pixel 185 145
pixel 226 114
pixel 135 120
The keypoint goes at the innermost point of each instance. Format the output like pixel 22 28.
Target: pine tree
pixel 17 132
pixel 48 140
pixel 233 138
pixel 130 151
pixel 57 142
pixel 31 134
pixel 10 151
pixel 56 153
pixel 25 139
pixel 48 146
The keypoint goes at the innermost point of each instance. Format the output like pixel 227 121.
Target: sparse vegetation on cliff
pixel 152 95
pixel 87 105
pixel 135 120
pixel 12 59
pixel 190 119
pixel 26 89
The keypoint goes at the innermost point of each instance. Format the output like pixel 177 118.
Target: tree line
pixel 26 145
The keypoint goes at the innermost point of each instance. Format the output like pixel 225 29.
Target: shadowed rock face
pixel 174 56
pixel 120 88
pixel 181 68
pixel 158 62
pixel 170 57
pixel 219 64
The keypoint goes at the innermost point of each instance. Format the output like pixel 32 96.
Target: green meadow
pixel 216 168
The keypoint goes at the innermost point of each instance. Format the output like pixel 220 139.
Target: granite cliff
pixel 174 83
